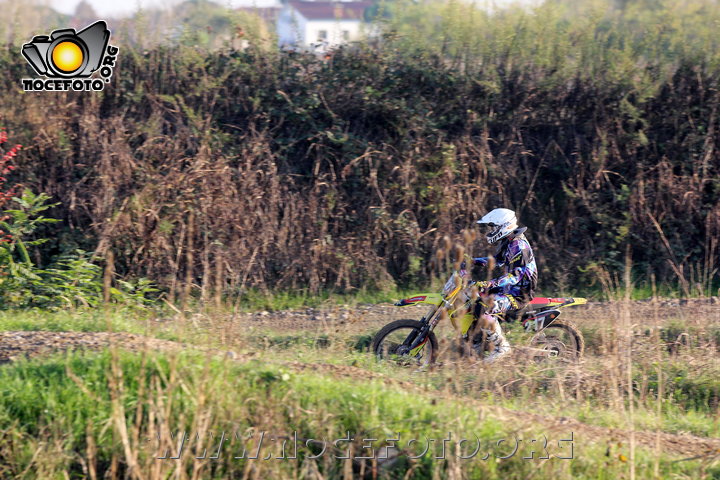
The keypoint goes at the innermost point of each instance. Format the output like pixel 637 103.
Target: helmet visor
pixel 493 232
pixel 491 229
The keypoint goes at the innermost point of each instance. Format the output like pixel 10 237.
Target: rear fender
pixel 429 298
pixel 574 301
pixel 540 320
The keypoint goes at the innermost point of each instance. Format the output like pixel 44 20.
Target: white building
pixel 325 24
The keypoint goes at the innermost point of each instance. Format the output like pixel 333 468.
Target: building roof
pixel 331 10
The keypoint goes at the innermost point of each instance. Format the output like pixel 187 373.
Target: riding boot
pixel 502 347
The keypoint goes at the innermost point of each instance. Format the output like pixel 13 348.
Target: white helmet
pixel 501 222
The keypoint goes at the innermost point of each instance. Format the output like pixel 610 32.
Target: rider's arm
pixel 484 261
pixel 517 252
pixel 509 279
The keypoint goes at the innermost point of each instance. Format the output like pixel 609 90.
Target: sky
pixel 127 7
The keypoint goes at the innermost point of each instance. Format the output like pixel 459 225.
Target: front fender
pixel 429 298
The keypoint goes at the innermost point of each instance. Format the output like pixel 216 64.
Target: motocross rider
pixel 516 288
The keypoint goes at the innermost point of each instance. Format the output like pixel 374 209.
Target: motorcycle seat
pixel 541 302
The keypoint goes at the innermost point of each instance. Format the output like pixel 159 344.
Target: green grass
pixel 82 320
pixel 674 418
pixel 256 300
pixel 39 401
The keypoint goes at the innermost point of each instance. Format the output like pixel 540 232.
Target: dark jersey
pixel 516 256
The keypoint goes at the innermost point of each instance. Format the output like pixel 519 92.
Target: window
pixel 345 35
pixel 322 35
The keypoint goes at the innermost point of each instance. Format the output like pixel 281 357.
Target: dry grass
pixel 287 364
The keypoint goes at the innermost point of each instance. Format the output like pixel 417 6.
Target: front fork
pixel 414 343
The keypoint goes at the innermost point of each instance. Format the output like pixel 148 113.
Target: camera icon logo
pixel 66 54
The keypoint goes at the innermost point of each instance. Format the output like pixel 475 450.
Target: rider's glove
pixel 483 285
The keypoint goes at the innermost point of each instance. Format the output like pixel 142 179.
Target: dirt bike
pixel 412 341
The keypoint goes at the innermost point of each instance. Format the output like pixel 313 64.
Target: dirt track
pixel 29 344
pixel 646 311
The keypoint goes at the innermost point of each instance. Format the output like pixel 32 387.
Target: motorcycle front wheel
pixel 393 340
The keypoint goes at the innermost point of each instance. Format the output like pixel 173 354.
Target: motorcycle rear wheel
pixel 561 339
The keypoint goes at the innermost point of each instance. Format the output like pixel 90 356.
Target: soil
pixel 29 344
pixel 660 310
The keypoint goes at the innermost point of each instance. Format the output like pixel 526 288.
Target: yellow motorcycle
pixel 413 341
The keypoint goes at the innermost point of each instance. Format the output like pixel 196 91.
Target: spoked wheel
pixel 392 342
pixel 561 340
